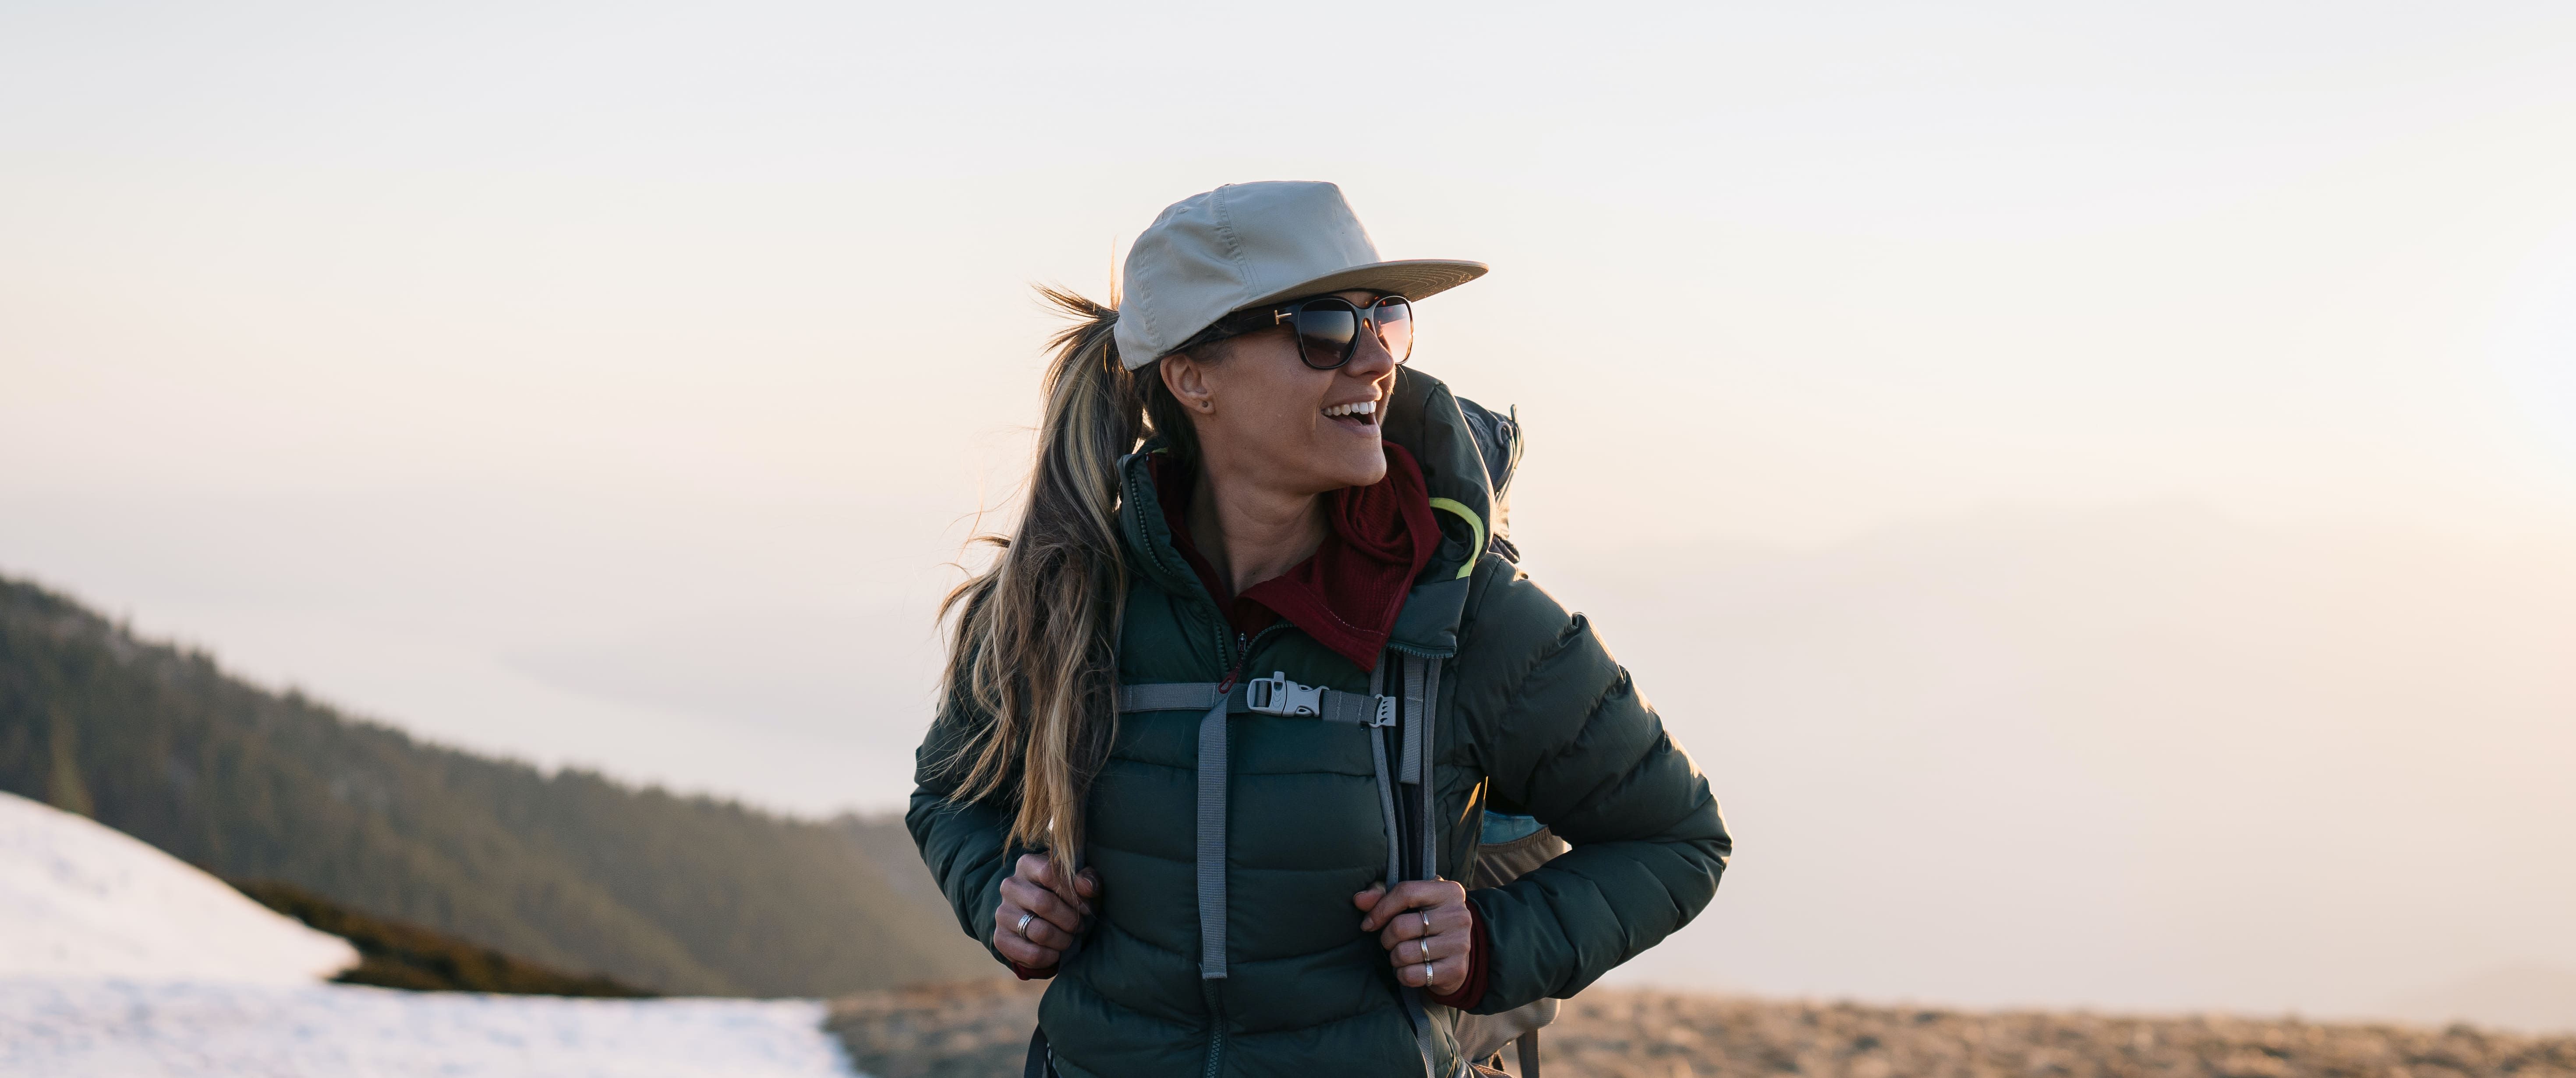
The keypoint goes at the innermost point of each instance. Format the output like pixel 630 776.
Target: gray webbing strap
pixel 1413 1012
pixel 1386 783
pixel 1421 681
pixel 1211 856
pixel 1421 1019
pixel 1273 695
pixel 1429 738
pixel 1169 696
pixel 1411 774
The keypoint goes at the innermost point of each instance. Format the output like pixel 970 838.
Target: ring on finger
pixel 1424 945
pixel 1426 974
pixel 1022 928
pixel 1426 922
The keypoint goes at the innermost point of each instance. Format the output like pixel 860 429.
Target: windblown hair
pixel 1035 643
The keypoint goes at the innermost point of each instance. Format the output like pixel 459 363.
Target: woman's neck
pixel 1252 533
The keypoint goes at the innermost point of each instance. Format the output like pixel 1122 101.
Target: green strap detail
pixel 1473 521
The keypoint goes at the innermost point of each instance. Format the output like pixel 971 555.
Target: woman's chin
pixel 1361 473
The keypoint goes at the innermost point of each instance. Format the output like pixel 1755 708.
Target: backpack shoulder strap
pixel 1420 725
pixel 1415 729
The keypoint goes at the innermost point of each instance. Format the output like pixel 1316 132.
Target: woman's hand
pixel 1039 917
pixel 1423 924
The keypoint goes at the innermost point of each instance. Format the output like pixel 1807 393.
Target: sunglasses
pixel 1327 327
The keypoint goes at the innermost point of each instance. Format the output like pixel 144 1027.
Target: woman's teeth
pixel 1359 409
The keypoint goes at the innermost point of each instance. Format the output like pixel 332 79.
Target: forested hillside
pixel 681 895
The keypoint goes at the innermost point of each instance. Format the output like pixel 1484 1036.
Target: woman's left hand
pixel 1424 926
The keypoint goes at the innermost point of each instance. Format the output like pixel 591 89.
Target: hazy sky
pixel 610 384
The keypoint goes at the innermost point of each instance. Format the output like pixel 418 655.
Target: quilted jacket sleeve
pixel 1565 736
pixel 966 844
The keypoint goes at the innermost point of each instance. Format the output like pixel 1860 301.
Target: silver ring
pixel 1424 945
pixel 1022 928
pixel 1426 975
pixel 1426 922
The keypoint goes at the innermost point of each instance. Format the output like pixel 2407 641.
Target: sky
pixel 616 385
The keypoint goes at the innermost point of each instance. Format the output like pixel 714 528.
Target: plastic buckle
pixel 1276 695
pixel 1385 712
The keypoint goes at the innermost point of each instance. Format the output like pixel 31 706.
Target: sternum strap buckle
pixel 1276 695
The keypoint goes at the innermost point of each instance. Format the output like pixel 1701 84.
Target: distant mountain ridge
pixel 680 895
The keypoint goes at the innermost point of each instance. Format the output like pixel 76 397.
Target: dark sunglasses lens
pixel 1325 329
pixel 1394 318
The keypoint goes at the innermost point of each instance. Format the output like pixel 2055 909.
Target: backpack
pixel 1509 846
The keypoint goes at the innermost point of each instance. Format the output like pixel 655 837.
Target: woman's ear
pixel 1187 378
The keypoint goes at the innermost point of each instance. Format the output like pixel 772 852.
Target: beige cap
pixel 1246 244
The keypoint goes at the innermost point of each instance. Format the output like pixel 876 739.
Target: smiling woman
pixel 1229 873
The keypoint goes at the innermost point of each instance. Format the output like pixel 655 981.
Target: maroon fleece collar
pixel 1347 595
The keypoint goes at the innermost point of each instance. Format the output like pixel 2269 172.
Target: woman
pixel 1178 765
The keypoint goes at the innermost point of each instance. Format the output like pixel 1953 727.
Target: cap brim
pixel 1412 278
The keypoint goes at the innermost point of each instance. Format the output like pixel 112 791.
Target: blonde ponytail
pixel 1035 643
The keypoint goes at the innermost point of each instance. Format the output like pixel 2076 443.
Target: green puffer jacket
pixel 1533 717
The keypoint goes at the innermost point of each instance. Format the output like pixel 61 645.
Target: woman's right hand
pixel 1039 918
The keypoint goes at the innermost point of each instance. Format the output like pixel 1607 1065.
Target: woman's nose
pixel 1369 357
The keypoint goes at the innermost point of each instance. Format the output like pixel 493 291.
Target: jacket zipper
pixel 1216 1029
pixel 1242 649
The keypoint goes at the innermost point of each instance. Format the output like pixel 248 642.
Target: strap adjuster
pixel 1276 695
pixel 1385 712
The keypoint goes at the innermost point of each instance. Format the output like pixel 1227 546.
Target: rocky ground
pixel 975 1030
pixel 1635 1034
pixel 981 1031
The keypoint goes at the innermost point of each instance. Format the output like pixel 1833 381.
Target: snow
pixel 118 959
pixel 84 900
pixel 57 1027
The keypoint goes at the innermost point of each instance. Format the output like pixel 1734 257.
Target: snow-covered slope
pixel 78 899
pixel 116 958
pixel 59 1028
